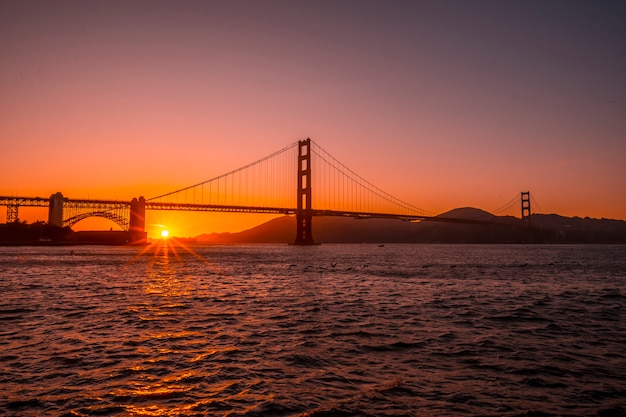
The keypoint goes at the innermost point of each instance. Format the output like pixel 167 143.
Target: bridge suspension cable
pixel 535 204
pixel 267 182
pixel 337 187
pixel 513 202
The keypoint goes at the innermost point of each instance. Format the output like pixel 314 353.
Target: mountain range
pixel 446 228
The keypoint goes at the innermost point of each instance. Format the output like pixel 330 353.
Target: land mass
pixel 41 233
pixel 449 227
pixel 545 228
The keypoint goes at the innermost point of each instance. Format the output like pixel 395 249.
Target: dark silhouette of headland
pixel 550 228
pixel 41 233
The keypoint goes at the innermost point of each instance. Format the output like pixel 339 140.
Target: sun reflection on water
pixel 167 272
pixel 166 369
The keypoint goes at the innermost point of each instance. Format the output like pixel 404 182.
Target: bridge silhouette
pixel 301 179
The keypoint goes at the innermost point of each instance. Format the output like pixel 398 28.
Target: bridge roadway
pixel 45 202
pixel 99 205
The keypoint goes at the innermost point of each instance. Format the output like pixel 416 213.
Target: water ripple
pixel 336 330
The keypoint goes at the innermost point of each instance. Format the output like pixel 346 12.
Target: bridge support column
pixel 12 213
pixel 528 231
pixel 55 210
pixel 137 223
pixel 304 213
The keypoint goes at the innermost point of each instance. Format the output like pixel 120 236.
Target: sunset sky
pixel 443 104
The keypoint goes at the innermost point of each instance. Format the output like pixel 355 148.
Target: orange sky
pixel 442 104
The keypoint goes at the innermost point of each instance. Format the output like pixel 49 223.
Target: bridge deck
pixel 151 205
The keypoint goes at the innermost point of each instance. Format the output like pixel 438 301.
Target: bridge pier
pixel 55 210
pixel 137 224
pixel 304 214
pixel 528 230
pixel 13 213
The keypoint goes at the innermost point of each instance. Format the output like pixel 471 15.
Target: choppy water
pixel 331 330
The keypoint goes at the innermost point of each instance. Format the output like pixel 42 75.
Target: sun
pixel 164 233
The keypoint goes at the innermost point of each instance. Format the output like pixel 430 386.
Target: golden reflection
pixel 161 410
pixel 168 250
pixel 157 392
pixel 163 247
pixel 171 278
pixel 202 356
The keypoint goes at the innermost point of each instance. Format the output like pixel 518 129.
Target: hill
pixel 486 228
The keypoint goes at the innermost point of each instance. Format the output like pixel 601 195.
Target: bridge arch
pixel 121 221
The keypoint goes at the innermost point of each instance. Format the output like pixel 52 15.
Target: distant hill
pixel 487 228
pixel 281 229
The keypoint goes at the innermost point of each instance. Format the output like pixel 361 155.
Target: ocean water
pixel 330 330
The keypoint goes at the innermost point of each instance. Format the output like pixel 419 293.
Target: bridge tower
pixel 55 210
pixel 137 221
pixel 304 210
pixel 528 231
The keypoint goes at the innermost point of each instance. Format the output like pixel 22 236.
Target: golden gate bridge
pixel 301 179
